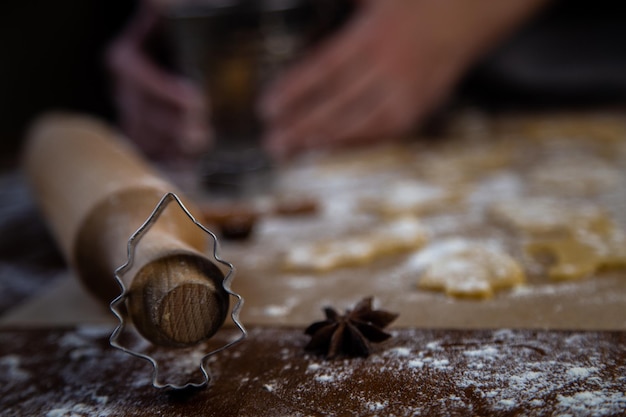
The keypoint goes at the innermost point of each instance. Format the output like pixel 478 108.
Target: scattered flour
pixel 313 367
pixel 596 403
pixel 400 351
pixel 434 252
pixel 416 363
pixel 73 340
pixel 325 378
pixel 440 363
pixel 82 409
pixel 301 283
pixel 485 353
pixel 376 406
pixel 578 372
pixel 269 387
pixel 10 369
pixel 276 310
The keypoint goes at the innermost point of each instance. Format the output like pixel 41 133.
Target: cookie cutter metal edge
pixel 114 306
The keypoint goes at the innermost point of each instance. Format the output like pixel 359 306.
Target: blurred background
pixel 51 56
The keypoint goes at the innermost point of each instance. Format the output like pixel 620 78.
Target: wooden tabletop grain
pixel 73 372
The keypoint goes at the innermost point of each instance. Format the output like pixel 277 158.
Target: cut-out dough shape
pixel 582 239
pixel 596 245
pixel 472 272
pixel 573 259
pixel 607 239
pixel 396 236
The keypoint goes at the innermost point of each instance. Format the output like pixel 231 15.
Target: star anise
pixel 349 334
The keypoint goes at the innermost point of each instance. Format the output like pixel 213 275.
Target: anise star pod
pixel 349 334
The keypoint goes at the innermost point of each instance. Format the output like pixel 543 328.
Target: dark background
pixel 51 57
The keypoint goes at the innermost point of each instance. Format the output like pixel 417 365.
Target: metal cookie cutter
pixel 117 306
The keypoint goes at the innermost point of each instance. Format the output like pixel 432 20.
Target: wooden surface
pixel 65 372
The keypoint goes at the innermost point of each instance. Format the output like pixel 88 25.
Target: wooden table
pixel 63 372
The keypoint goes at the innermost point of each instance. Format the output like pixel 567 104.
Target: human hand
pixel 163 113
pixel 386 70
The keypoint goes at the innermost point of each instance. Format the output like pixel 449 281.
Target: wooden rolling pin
pixel 95 192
